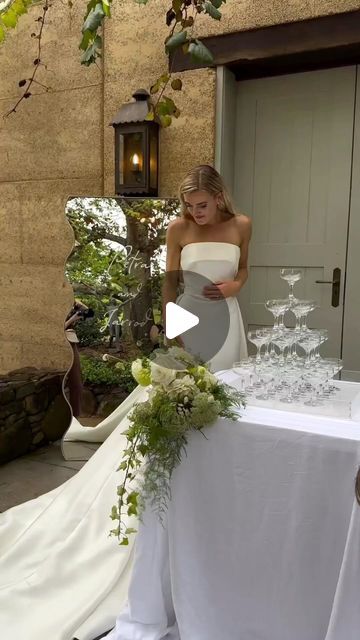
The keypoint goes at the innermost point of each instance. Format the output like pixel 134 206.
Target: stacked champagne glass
pixel 288 366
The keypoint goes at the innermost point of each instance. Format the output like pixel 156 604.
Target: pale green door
pixel 293 154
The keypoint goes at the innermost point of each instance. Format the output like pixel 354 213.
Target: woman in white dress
pixel 207 248
pixel 61 575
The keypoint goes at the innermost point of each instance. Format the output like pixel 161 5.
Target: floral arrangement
pixel 182 396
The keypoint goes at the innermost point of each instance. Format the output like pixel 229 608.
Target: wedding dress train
pixel 61 575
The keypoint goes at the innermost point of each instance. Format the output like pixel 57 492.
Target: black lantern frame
pixel 136 149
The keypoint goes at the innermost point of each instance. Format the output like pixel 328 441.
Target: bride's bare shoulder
pixel 243 224
pixel 177 227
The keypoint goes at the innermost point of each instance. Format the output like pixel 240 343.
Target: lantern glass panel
pixel 131 159
pixel 153 159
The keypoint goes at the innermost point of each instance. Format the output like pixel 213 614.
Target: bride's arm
pixel 245 228
pixel 173 252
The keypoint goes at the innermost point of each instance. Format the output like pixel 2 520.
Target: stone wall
pixel 33 411
pixel 59 144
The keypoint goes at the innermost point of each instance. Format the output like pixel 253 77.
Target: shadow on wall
pixel 115 270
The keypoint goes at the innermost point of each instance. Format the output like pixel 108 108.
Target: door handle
pixel 335 282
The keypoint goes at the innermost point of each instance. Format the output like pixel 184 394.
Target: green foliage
pixel 89 332
pixel 184 398
pixel 200 53
pixel 10 14
pixel 180 19
pixel 96 371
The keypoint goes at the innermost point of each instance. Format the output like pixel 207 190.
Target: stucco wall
pixel 59 144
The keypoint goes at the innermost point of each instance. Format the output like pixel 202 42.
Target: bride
pixel 207 248
pixel 61 576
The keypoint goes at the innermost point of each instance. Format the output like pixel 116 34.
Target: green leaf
pixel 176 84
pixel 123 466
pixel 170 105
pixel 176 40
pixel 132 510
pixel 19 7
pixel 106 8
pixel 176 5
pixel 150 116
pixel 130 530
pixel 132 498
pixel 155 88
pixel 94 19
pixel 217 3
pixel 165 121
pixel 200 53
pixel 9 19
pixel 2 34
pixel 114 513
pixel 125 541
pixel 164 78
pixel 212 11
pixel 121 491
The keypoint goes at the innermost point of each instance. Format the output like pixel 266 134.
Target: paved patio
pixel 36 473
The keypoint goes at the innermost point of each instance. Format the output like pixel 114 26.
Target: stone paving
pixel 36 473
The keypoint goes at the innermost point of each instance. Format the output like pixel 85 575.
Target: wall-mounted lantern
pixel 136 148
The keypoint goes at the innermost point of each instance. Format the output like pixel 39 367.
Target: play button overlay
pixel 200 315
pixel 178 320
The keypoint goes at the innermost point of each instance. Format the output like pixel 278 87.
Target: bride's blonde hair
pixel 205 178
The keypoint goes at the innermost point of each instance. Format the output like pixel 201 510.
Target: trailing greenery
pixel 183 396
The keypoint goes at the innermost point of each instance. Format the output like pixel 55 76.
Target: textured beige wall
pixel 60 144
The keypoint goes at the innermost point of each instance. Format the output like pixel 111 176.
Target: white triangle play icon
pixel 178 320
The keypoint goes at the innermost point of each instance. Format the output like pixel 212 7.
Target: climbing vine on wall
pixel 181 17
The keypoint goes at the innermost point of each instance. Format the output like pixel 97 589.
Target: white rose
pixel 161 375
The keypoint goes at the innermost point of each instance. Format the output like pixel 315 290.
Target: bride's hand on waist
pixel 219 290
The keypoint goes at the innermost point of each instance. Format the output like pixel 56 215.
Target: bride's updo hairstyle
pixel 205 178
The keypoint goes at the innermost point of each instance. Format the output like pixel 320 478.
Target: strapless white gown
pixel 61 575
pixel 201 263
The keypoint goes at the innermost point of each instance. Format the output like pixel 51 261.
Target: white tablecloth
pixel 262 537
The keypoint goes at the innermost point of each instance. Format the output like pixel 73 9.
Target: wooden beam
pixel 325 36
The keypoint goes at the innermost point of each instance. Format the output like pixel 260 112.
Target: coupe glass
pixel 291 276
pixel 283 339
pixel 258 341
pixel 316 377
pixel 301 309
pixel 291 374
pixel 309 341
pixel 278 308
